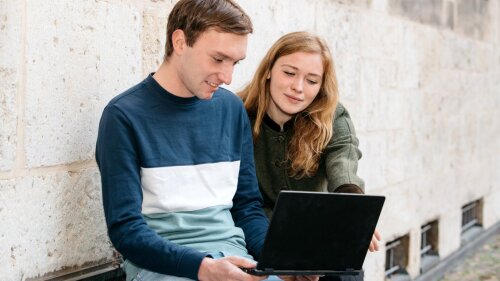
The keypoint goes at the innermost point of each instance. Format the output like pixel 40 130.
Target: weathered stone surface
pixel 271 20
pixel 373 145
pixel 423 11
pixel 10 79
pixel 491 212
pixel 79 55
pixel 340 27
pixel 449 231
pixel 61 223
pixel 381 37
pixel 474 18
pixel 361 3
pixel 154 37
pixel 379 5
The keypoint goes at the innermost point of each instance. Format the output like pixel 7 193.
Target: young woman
pixel 304 138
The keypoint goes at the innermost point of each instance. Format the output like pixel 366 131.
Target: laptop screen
pixel 320 231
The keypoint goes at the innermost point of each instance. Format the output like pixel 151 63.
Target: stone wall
pixel 420 79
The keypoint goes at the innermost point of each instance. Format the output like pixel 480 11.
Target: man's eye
pixel 218 60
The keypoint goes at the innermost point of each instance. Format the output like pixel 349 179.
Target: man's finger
pixel 241 262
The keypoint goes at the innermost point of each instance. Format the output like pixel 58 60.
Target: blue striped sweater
pixel 178 179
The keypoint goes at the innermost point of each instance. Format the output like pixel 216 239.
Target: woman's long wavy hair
pixel 313 126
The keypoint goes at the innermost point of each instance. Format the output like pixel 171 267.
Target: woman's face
pixel 295 81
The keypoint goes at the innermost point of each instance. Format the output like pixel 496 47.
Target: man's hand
pixel 227 268
pixel 300 278
pixel 374 244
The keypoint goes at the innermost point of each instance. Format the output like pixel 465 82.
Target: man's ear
pixel 179 41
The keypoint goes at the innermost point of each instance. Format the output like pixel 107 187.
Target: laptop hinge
pixel 350 269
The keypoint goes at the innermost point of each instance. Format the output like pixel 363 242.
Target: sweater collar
pixel 152 84
pixel 274 126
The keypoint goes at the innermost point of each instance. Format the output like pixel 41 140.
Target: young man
pixel 175 154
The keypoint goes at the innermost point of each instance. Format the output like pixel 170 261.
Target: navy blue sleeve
pixel 119 164
pixel 247 203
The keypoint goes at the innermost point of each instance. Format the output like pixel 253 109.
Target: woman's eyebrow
pixel 296 68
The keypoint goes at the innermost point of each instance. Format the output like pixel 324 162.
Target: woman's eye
pixel 312 82
pixel 289 73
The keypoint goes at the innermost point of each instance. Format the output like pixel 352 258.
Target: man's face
pixel 210 62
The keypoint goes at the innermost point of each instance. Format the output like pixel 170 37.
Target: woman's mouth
pixel 294 99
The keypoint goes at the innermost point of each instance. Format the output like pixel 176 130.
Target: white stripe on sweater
pixel 188 188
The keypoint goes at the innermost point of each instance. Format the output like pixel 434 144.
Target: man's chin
pixel 206 96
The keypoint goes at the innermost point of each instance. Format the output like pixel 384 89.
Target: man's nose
pixel 226 74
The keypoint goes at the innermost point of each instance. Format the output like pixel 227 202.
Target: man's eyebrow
pixel 296 68
pixel 224 56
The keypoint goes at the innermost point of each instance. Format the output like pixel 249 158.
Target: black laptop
pixel 316 233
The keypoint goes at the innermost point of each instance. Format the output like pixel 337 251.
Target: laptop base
pixel 259 272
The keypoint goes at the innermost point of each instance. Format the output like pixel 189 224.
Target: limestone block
pixel 361 3
pixel 371 167
pixel 423 11
pixel 403 154
pixel 395 108
pixel 283 15
pixel 79 55
pixel 449 232
pixel 432 46
pixel 271 20
pixel 475 18
pixel 379 5
pixel 154 36
pixel 388 74
pixel 496 23
pixel 374 265
pixel 413 266
pixel 400 212
pixel 449 14
pixel 382 37
pixel 462 53
pixel 10 78
pixel 54 221
pixel 434 196
pixel 340 25
pixel 370 93
pixel 409 59
pixel 491 212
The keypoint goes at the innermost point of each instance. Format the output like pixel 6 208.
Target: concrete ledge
pixel 104 272
pixel 466 250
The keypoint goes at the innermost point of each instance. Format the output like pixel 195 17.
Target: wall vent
pixel 396 259
pixel 471 215
pixel 429 254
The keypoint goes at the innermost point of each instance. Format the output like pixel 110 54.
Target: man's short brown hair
pixel 194 17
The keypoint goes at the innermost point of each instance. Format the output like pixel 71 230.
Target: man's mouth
pixel 212 84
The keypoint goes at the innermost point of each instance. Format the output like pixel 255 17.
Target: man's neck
pixel 167 77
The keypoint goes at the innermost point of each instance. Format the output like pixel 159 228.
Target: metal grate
pixel 469 216
pixel 391 265
pixel 426 245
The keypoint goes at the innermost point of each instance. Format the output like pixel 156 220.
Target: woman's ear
pixel 268 75
pixel 178 41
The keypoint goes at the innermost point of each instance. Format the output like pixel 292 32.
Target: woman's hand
pixel 374 243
